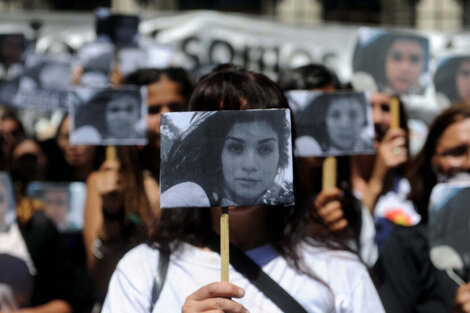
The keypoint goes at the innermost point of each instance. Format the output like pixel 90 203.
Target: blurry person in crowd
pixel 34 268
pixel 168 91
pixel 68 162
pixel 11 131
pixel 408 281
pixel 121 204
pixel 396 61
pixel 28 163
pixel 309 77
pixel 452 79
pixel 295 252
pixel 243 161
pixel 109 114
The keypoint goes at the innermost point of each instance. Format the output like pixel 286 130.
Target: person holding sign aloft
pixel 277 242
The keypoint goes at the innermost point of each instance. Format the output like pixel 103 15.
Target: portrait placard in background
pixel 452 78
pixel 398 62
pixel 226 158
pixel 44 83
pixel 107 116
pixel 119 29
pixel 335 123
pixel 64 202
pixel 7 202
pixel 12 48
pixel 449 227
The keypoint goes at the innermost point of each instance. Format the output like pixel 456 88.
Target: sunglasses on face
pixel 172 106
pixel 412 58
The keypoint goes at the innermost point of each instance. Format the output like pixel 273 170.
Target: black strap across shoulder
pixel 253 272
pixel 160 276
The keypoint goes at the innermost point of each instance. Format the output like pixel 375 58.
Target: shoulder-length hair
pixel 188 161
pixel 370 58
pixel 420 173
pixel 232 88
pixel 312 120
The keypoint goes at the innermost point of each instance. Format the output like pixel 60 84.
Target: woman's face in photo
pixel 344 123
pixel 250 160
pixel 452 154
pixel 404 63
pixel 57 203
pixel 462 81
pixel 122 113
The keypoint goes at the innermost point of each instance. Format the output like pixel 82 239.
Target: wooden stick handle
pixel 329 173
pixel 111 153
pixel 395 113
pixel 224 243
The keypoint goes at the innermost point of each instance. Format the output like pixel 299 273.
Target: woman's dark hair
pixel 370 58
pixel 308 77
pixel 149 76
pixel 188 161
pixel 446 76
pixel 312 120
pixel 420 173
pixel 231 88
pixel 93 112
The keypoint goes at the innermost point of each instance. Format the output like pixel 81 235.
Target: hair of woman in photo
pixel 231 88
pixel 318 113
pixel 421 173
pixel 445 77
pixel 309 77
pixel 68 163
pixel 189 162
pixel 371 57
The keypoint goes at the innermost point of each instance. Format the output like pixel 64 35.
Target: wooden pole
pixel 111 153
pixel 395 112
pixel 224 243
pixel 329 172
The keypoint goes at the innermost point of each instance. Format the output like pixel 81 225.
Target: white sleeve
pixel 364 297
pixel 368 251
pixel 130 286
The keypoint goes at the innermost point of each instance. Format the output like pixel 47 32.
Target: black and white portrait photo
pixel 119 29
pixel 397 62
pixel 64 203
pixel 226 158
pixel 107 116
pixel 7 202
pixel 452 78
pixel 449 226
pixel 44 82
pixel 95 61
pixel 12 49
pixel 328 124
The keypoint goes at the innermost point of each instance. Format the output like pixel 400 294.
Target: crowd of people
pixel 362 246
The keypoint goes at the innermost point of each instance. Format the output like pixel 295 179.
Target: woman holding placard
pixel 296 253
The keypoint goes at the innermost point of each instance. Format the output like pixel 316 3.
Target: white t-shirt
pixel 191 268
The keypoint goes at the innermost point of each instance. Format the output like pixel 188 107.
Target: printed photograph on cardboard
pixel 64 203
pixel 332 123
pixel 44 82
pixel 226 158
pixel 107 116
pixel 7 202
pixel 12 49
pixel 119 29
pixel 95 60
pixel 398 62
pixel 449 226
pixel 452 78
